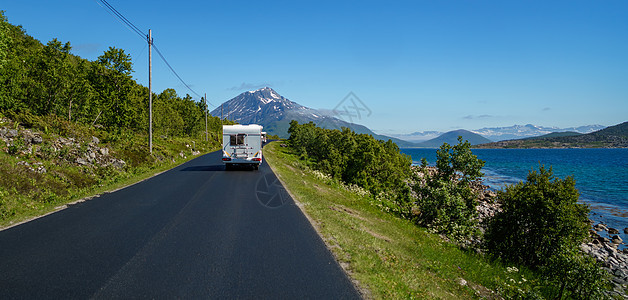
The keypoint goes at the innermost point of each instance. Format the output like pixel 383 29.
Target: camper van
pixel 242 145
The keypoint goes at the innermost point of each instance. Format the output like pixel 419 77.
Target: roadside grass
pixel 387 256
pixel 26 194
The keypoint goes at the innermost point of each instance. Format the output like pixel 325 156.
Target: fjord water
pixel 601 175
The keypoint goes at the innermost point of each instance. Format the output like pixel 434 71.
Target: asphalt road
pixel 196 231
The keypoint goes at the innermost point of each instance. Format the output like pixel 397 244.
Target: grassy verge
pixel 36 179
pixel 18 208
pixel 387 256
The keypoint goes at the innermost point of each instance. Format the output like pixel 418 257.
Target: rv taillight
pixel 257 159
pixel 226 159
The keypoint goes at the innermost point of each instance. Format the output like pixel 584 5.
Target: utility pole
pixel 206 110
pixel 150 90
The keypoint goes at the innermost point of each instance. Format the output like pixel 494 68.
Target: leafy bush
pixel 353 158
pixel 576 273
pixel 542 226
pixel 445 202
pixel 538 218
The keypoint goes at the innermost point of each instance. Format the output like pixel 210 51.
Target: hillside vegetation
pixel 449 199
pixel 71 128
pixel 388 257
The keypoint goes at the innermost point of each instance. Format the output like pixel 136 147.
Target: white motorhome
pixel 242 145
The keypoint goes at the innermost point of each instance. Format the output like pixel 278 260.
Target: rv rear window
pixel 237 139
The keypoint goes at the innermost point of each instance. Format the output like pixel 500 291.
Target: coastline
pixel 599 173
pixel 604 243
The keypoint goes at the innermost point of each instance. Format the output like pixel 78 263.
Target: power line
pixel 173 71
pixel 134 28
pixel 124 20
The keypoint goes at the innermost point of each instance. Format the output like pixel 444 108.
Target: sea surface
pixel 601 175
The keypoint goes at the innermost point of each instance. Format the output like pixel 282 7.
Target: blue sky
pixel 417 65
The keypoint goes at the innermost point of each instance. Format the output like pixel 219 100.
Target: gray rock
pixel 462 282
pixel 612 254
pixel 585 248
pixel 95 140
pixel 37 139
pixel 610 246
pixel 612 262
pixel 600 227
pixel 626 230
pixel 92 155
pixel 104 151
pixel 617 240
pixel 593 234
pixel 619 281
pixel 625 251
pixel 118 163
pixel 11 133
pixel 81 161
pixel 612 231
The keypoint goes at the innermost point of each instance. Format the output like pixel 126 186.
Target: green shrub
pixel 538 218
pixel 358 159
pixel 542 226
pixel 576 275
pixel 445 202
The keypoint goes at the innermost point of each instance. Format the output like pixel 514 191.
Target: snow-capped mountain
pixel 501 133
pixel 419 136
pixel 273 111
pixel 529 130
pixel 260 107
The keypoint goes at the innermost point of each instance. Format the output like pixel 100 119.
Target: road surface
pixel 196 231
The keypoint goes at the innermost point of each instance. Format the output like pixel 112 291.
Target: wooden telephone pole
pixel 206 112
pixel 150 91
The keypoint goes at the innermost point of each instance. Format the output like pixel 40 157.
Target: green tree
pixel 458 163
pixel 5 39
pixel 111 78
pixel 539 217
pixel 116 60
pixel 445 201
pixel 542 226
pixel 353 158
pixel 166 117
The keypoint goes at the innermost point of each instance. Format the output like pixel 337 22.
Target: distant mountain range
pixel 502 133
pixel 529 130
pixel 268 108
pixel 273 111
pixel 451 138
pixel 610 137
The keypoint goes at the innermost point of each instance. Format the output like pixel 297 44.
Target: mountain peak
pixel 265 95
pixel 262 90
